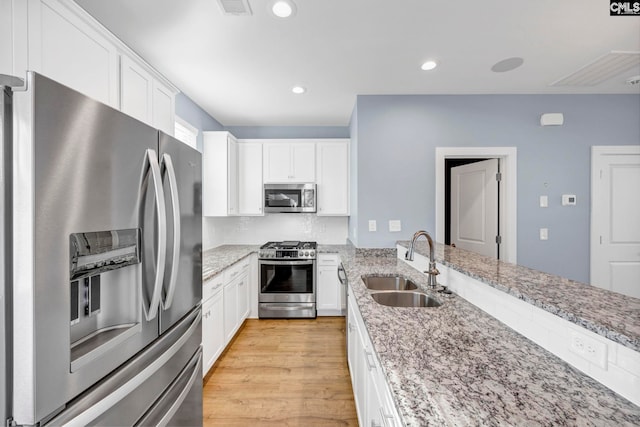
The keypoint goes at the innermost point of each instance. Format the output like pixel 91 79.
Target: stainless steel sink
pixel 392 283
pixel 405 299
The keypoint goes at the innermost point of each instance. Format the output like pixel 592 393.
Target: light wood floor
pixel 282 373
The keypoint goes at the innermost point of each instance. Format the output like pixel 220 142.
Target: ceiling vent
pixel 235 7
pixel 603 68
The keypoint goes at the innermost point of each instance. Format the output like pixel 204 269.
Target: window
pixel 186 133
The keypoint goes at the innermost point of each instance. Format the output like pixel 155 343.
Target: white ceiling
pixel 240 69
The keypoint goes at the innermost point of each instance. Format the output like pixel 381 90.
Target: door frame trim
pixel 598 153
pixel 508 191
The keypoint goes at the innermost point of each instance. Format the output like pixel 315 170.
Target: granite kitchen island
pixel 457 365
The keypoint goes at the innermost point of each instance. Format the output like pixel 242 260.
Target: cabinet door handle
pixel 385 417
pixel 370 365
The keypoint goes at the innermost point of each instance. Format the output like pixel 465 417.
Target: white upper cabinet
pixel 60 40
pixel 64 48
pixel 6 38
pixel 291 161
pixel 163 108
pixel 250 193
pixel 219 174
pixel 136 90
pixel 332 171
pixel 303 162
pixel 145 98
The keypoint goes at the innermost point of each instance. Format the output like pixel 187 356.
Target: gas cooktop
pixel 290 249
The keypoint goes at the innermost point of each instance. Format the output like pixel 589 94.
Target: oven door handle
pixel 304 262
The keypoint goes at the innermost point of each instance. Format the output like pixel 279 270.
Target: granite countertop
pixel 456 365
pixel 610 314
pixel 217 259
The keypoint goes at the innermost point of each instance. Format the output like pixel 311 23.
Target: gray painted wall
pixel 197 117
pixel 396 140
pixel 353 177
pixel 287 132
pixel 191 112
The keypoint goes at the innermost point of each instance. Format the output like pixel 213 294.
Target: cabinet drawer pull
pixel 371 364
pixel 385 417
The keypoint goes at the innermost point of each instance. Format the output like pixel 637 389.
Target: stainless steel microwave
pixel 284 198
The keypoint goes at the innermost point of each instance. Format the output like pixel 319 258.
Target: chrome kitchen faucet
pixel 432 271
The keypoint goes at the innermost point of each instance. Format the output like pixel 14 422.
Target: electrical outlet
pixel 588 348
pixel 373 226
pixel 395 225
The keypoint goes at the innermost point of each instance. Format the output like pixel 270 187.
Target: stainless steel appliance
pixel 287 273
pixel 285 198
pixel 106 265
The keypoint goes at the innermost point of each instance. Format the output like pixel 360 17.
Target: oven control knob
pixel 312 253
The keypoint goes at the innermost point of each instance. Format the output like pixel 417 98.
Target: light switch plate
pixel 373 226
pixel 395 225
pixel 544 234
pixel 544 201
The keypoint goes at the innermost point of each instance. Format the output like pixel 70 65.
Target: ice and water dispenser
pixel 104 291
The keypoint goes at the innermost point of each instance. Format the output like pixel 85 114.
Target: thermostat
pixel 568 200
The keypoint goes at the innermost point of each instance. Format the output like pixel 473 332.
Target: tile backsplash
pixel 261 229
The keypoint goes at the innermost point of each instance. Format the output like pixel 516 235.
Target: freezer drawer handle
pixel 151 159
pixel 196 370
pixel 86 417
pixel 167 164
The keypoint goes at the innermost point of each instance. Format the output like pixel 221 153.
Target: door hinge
pixel 499 240
pixel 499 176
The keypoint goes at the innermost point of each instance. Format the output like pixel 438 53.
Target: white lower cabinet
pixel 230 309
pixel 374 403
pixel 243 298
pixel 330 293
pixel 225 307
pixel 212 330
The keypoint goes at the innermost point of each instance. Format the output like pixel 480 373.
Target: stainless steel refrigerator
pixel 103 265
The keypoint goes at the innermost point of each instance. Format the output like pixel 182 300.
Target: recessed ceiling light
pixel 298 90
pixel 283 8
pixel 429 65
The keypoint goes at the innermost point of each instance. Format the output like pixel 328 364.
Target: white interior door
pixel 615 219
pixel 474 207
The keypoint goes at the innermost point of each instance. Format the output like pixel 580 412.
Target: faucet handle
pixel 433 271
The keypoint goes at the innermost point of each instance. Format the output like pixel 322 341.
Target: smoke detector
pixel 633 81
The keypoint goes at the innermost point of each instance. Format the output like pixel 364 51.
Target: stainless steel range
pixel 287 280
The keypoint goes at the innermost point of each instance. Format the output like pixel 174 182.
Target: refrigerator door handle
pixel 151 159
pixel 167 163
pixel 86 417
